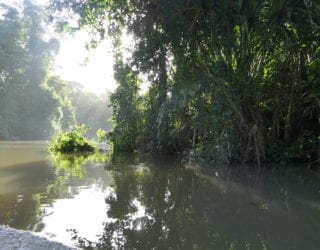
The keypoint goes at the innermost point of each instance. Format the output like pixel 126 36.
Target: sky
pixel 95 73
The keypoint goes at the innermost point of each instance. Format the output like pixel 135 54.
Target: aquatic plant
pixel 72 142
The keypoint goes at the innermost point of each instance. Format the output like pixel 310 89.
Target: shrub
pixel 72 142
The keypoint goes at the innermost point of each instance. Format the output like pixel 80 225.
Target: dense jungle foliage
pixel 26 93
pixel 34 104
pixel 235 81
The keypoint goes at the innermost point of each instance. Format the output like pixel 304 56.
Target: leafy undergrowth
pixel 72 142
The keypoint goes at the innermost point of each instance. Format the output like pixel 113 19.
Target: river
pixel 129 202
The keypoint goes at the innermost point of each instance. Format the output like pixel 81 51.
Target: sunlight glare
pixel 85 212
pixel 92 68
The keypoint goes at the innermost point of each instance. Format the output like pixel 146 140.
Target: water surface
pixel 130 202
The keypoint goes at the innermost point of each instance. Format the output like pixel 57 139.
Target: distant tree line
pixel 93 110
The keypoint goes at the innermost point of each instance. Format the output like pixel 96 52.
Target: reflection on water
pixel 123 202
pixel 83 211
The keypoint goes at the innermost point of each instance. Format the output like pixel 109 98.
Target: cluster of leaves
pixel 72 142
pixel 234 81
pixel 101 135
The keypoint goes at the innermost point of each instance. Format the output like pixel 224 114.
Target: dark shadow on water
pixel 157 202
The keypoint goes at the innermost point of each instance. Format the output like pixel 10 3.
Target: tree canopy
pixel 235 81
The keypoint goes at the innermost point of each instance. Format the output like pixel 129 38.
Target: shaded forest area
pixel 34 103
pixel 232 81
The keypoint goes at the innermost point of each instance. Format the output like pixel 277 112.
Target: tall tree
pixel 125 103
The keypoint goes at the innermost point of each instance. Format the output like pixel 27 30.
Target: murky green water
pixel 122 202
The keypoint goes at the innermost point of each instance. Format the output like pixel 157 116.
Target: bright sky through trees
pixel 93 69
pixel 95 73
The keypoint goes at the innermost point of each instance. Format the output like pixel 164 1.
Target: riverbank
pixel 25 240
